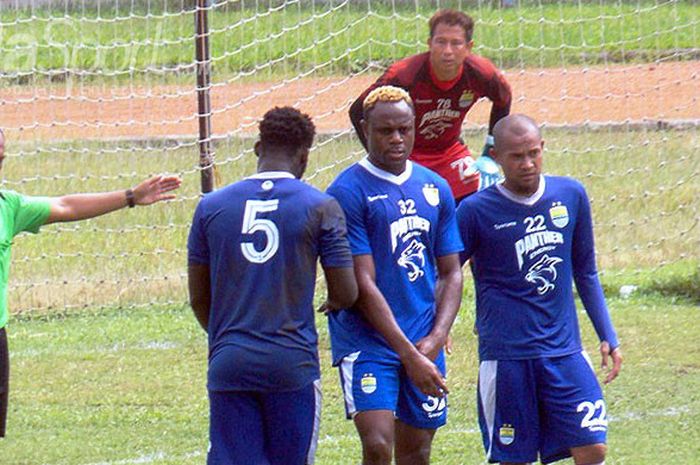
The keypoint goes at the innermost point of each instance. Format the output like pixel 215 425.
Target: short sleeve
pixel 30 212
pixel 334 249
pixel 197 245
pixel 353 208
pixel 448 240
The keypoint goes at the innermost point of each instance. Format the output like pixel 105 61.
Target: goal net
pixel 99 94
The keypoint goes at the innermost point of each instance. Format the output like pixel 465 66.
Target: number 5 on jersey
pixel 253 224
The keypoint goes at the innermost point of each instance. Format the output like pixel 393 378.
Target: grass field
pixel 127 387
pixel 142 45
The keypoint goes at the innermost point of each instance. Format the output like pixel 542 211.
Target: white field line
pixel 118 347
pixel 148 458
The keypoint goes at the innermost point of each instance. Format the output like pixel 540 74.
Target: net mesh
pixel 98 94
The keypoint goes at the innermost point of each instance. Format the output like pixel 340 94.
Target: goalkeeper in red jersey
pixel 444 83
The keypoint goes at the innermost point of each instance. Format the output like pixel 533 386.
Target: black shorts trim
pixel 4 380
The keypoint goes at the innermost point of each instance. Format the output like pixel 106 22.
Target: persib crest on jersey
pixel 543 273
pixel 466 98
pixel 559 215
pixel 506 434
pixel 413 259
pixel 431 194
pixel 368 383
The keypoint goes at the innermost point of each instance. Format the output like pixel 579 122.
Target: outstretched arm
pixel 77 207
pixel 420 369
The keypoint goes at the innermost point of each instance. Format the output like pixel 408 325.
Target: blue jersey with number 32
pixel 405 223
pixel 261 238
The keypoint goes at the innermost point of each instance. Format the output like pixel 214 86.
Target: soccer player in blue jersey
pixel 405 245
pixel 252 258
pixel 528 239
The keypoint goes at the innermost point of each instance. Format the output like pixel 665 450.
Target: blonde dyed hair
pixel 387 94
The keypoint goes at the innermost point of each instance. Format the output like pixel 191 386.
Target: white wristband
pixel 489 139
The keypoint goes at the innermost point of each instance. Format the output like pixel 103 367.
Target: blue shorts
pixel 541 406
pixel 264 428
pixel 373 383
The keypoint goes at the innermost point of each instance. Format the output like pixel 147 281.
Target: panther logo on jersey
pixel 543 273
pixel 435 129
pixel 413 259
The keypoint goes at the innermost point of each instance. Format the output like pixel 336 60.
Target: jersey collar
pixel 272 175
pixel 444 85
pixel 528 200
pixel 385 175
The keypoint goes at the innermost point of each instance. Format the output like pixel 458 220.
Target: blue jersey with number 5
pixel 261 238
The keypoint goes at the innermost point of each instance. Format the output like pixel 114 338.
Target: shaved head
pixel 517 125
pixel 518 149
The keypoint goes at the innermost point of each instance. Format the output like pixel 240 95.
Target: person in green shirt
pixel 25 213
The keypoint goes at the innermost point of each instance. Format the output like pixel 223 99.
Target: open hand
pixel 156 189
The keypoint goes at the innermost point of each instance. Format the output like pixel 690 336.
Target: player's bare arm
pixel 77 207
pixel 448 294
pixel 342 289
pixel 199 284
pixel 420 369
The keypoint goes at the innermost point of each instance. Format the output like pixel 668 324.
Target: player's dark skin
pixel 518 149
pixel 389 128
pixel 341 284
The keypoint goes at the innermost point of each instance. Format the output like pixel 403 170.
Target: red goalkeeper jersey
pixel 440 110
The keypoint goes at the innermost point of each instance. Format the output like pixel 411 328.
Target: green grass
pixel 323 40
pixel 117 386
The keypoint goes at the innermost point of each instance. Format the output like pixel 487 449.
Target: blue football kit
pixel 538 392
pixel 261 238
pixel 405 222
